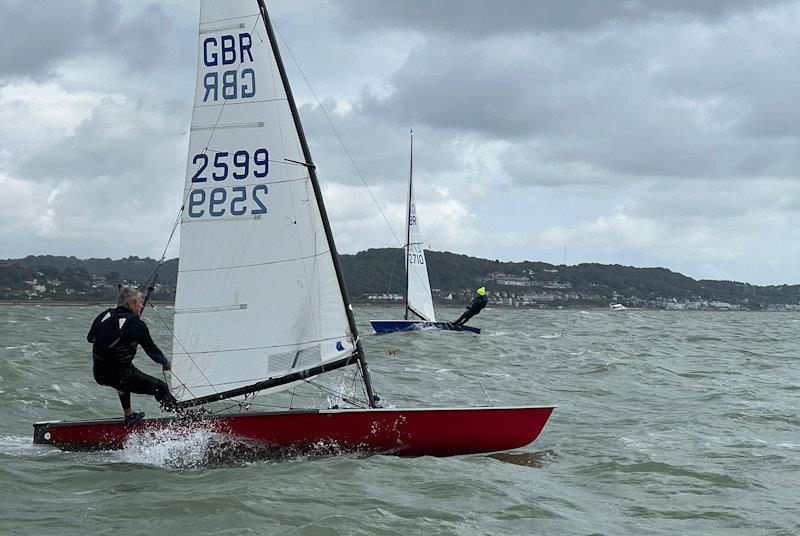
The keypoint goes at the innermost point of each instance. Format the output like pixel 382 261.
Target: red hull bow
pixel 402 432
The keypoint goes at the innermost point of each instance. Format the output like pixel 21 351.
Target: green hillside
pixel 382 271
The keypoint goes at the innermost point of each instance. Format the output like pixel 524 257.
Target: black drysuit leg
pixel 466 315
pixel 132 380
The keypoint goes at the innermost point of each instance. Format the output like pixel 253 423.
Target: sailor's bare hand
pixel 167 367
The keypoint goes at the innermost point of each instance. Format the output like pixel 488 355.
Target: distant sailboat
pixel 419 302
pixel 261 303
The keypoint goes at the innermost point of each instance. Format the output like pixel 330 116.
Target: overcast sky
pixel 633 132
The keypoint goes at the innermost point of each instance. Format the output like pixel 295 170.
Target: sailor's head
pixel 481 291
pixel 131 298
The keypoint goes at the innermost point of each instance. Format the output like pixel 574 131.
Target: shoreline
pixel 107 304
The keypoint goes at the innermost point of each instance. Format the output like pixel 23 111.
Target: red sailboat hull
pixel 402 432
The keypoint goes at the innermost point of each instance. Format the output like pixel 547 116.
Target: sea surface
pixel 667 423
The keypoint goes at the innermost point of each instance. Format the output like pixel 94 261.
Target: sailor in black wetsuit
pixel 115 333
pixel 475 306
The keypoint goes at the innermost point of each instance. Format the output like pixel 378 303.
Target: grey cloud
pixel 122 169
pixel 479 18
pixel 693 202
pixel 638 101
pixel 108 142
pixel 38 36
pixel 35 36
pixel 477 86
pixel 141 38
pixel 379 146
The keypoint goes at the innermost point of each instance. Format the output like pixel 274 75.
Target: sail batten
pixel 259 295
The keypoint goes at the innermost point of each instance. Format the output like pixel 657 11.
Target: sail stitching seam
pixel 267 347
pixel 252 265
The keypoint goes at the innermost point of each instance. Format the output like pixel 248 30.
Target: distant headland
pixel 377 276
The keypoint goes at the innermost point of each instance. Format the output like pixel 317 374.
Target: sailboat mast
pixel 408 218
pixel 320 203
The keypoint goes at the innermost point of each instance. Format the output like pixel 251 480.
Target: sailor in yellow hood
pixel 475 306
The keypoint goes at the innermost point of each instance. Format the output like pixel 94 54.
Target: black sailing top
pixel 115 333
pixel 477 304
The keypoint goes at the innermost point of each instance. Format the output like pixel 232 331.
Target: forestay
pixel 257 294
pixel 419 287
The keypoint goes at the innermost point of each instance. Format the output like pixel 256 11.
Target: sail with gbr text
pixel 257 294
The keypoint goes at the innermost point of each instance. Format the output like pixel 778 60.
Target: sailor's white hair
pixel 127 294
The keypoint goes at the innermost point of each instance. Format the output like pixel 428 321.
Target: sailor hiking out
pixel 474 307
pixel 114 335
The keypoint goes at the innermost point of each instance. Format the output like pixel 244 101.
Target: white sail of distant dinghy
pixel 418 286
pixel 257 293
pixel 261 301
pixel 419 301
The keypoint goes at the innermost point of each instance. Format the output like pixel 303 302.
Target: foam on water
pixel 550 336
pixel 16 445
pixel 494 333
pixel 171 446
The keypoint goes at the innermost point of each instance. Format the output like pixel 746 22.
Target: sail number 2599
pixel 226 199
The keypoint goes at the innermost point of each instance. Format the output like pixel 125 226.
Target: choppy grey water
pixel 667 423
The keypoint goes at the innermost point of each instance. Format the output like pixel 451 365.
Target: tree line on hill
pixel 382 271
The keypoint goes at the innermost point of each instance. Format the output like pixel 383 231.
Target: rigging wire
pixel 185 352
pixel 335 131
pixel 161 261
pixel 391 276
pixel 346 150
pixel 343 397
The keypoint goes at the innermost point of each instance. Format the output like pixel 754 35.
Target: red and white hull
pixel 402 432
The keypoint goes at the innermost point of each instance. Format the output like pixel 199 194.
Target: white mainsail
pixel 258 295
pixel 418 285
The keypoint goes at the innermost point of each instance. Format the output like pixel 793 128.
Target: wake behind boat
pixel 261 304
